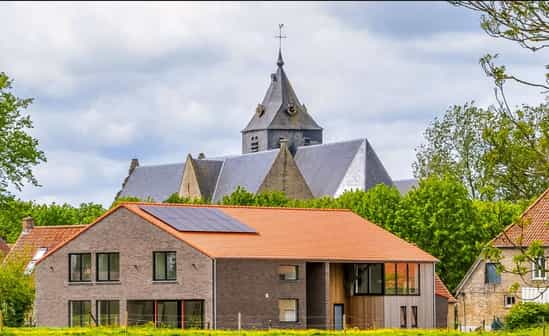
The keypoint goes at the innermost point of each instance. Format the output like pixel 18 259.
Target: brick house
pixel 225 266
pixel 484 294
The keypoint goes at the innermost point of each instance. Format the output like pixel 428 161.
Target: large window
pixel 140 312
pixel 193 314
pixel 538 269
pixel 79 313
pixel 108 313
pixel 368 279
pixel 287 310
pixel 108 266
pixel 491 275
pixel 164 266
pixel 287 272
pixel 80 267
pixel 401 279
pixel 168 313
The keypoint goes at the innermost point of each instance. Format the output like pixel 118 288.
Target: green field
pixel 174 332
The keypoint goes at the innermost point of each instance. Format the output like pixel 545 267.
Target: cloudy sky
pixel 157 81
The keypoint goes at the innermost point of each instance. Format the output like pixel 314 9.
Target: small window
pixel 403 322
pixel 306 141
pixel 254 145
pixel 287 310
pixel 37 256
pixel 79 313
pixel 287 272
pixel 491 275
pixel 108 267
pixel 164 266
pixel 413 322
pixel 509 301
pixel 80 267
pixel 108 312
pixel 538 269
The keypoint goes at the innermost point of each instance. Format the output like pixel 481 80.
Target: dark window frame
pixel 357 293
pixel 166 263
pixel 81 267
pixel 289 265
pixel 71 313
pixel 405 311
pixel 296 309
pixel 202 303
pixel 108 266
pixel 506 304
pixel 407 291
pixel 97 312
pixel 487 280
pixel 414 317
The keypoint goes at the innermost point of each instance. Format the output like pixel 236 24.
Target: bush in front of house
pixel 527 315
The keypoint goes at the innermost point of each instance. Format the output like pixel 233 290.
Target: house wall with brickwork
pixel 135 240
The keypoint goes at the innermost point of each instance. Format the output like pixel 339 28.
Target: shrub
pixel 527 315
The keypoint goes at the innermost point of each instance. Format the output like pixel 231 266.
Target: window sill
pixel 107 282
pixel 80 283
pixel 165 282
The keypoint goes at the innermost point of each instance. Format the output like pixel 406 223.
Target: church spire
pixel 280 61
pixel 280 116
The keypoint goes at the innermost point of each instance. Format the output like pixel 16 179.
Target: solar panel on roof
pixel 197 219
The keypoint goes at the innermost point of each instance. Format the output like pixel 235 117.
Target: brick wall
pixel 253 288
pixel 135 240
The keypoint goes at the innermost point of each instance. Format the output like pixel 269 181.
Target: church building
pixel 282 150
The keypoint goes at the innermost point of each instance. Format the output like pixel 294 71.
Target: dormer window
pixel 37 256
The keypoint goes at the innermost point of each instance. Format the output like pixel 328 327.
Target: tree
pixel 16 292
pixel 19 151
pixel 525 22
pixel 516 161
pixel 13 210
pixel 440 218
pixel 455 146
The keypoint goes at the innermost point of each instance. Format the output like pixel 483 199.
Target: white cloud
pixel 156 81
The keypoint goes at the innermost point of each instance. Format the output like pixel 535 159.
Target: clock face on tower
pixel 292 109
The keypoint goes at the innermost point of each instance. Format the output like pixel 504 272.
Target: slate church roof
pixel 328 169
pixel 279 96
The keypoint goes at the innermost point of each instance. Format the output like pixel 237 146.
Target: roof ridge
pixel 63 226
pixel 161 165
pixel 335 143
pixel 236 206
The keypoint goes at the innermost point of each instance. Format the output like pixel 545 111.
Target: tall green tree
pixel 440 218
pixel 19 152
pixel 454 145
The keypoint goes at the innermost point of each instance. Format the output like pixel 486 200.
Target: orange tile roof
pixel 288 233
pixel 441 290
pixel 42 236
pixel 536 219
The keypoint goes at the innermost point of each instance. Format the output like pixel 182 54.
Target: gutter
pixel 214 294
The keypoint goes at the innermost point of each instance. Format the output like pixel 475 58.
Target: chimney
pixel 133 164
pixel 27 224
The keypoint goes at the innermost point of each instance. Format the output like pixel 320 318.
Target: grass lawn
pixel 174 332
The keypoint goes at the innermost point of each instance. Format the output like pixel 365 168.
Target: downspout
pixel 214 293
pixel 434 297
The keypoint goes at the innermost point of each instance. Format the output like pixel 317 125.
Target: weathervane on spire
pixel 280 36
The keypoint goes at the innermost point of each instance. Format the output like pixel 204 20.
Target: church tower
pixel 280 117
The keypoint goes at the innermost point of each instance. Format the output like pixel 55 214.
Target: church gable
pixel 285 176
pixel 189 183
